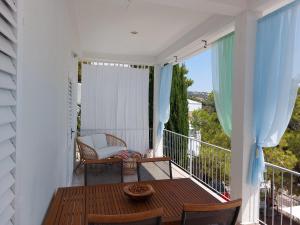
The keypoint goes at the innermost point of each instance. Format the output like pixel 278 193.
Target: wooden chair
pixel 111 162
pixel 208 214
pixel 87 152
pixel 151 217
pixel 154 160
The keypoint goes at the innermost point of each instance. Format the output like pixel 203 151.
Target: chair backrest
pixel 151 217
pixel 161 166
pixel 208 214
pixel 103 171
pixel 86 151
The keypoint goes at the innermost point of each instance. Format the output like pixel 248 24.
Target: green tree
pixel 286 154
pixel 179 121
pixel 206 120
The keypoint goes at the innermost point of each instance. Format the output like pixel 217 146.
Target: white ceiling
pixel 105 25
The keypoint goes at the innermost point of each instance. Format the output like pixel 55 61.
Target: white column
pixel 242 124
pixel 157 144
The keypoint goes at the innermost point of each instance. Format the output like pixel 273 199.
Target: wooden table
pixel 70 205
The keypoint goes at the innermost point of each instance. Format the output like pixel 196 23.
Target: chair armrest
pixel 103 161
pixel 86 151
pixel 115 141
pixel 156 159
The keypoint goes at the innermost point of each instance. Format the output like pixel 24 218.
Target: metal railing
pixel 279 196
pixel 210 164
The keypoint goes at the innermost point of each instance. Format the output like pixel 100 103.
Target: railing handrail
pixel 225 149
pixel 214 173
pixel 283 169
pixel 197 140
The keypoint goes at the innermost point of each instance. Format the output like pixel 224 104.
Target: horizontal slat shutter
pixel 6 82
pixel 8 76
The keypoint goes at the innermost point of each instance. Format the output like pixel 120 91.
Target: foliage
pixel 206 120
pixel 286 154
pixel 291 139
pixel 279 157
pixel 295 120
pixel 150 102
pixel 151 88
pixel 79 71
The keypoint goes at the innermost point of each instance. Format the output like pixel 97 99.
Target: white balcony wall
pixel 47 37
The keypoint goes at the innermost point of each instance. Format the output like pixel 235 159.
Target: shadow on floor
pixel 102 174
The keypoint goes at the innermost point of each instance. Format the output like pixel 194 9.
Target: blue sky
pixel 199 68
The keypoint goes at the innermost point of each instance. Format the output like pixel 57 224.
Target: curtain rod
pixel 178 60
pixel 117 64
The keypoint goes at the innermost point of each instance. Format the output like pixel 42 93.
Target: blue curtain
pixel 276 81
pixel 164 97
pixel 222 65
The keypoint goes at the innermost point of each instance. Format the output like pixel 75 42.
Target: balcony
pixel 209 167
pixel 41 44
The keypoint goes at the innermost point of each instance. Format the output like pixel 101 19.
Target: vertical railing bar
pixel 212 167
pixel 199 161
pixel 176 147
pixel 225 157
pixel 291 194
pixel 196 160
pixel 220 173
pixel 182 152
pixel 196 164
pixel 166 144
pixel 193 161
pixel 210 159
pixel 216 175
pixel 281 199
pixel 185 152
pixel 272 186
pixel 218 180
pixel 202 161
pixel 265 197
pixel 172 147
pixel 206 168
pixel 190 157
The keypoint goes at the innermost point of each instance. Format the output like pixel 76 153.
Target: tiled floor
pixel 150 171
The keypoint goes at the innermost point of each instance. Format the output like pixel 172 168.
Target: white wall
pixel 47 35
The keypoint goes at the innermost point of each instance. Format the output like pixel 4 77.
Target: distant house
pixel 193 105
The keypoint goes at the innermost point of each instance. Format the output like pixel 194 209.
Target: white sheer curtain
pixel 115 100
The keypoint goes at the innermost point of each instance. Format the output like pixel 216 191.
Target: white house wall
pixel 48 36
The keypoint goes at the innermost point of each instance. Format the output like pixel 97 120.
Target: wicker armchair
pixel 88 152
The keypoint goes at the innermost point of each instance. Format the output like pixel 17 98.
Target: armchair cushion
pixel 109 151
pixel 99 140
pixel 87 140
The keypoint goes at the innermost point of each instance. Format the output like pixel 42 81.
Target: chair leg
pixel 138 166
pixel 170 168
pixel 85 174
pixel 122 178
pixel 77 167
